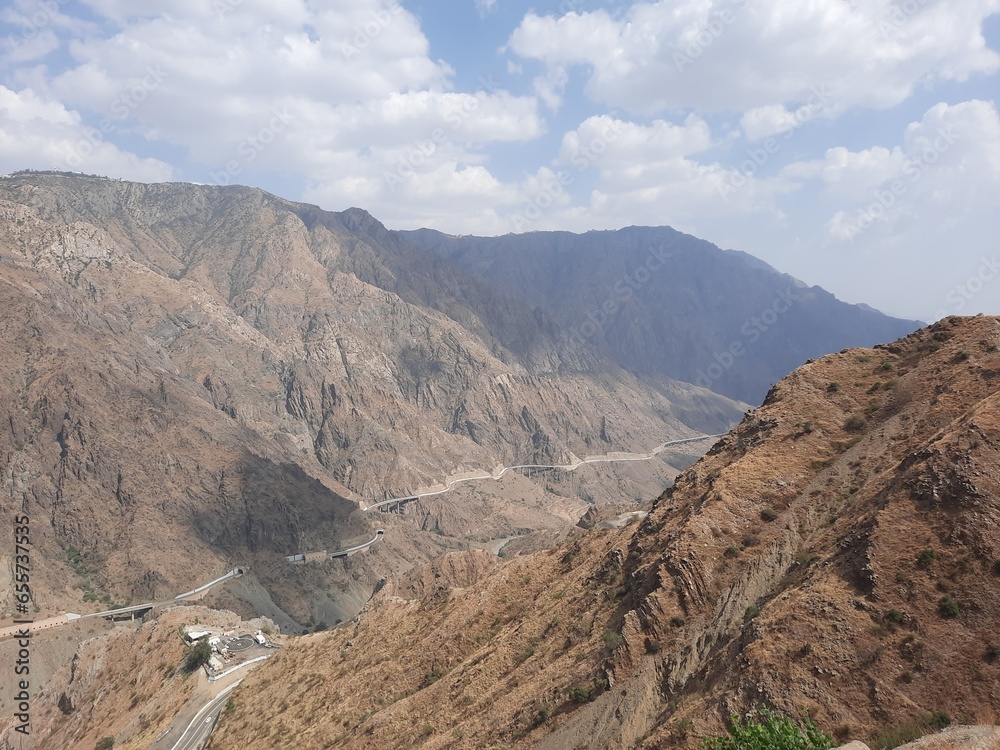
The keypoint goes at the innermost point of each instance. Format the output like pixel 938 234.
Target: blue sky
pixel 852 143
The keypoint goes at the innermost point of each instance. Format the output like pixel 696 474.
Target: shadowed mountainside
pixel 663 304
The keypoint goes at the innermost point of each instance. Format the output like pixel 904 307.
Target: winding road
pixel 302 557
pixel 563 467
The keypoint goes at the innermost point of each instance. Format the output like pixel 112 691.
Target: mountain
pixel 663 304
pixel 837 552
pixel 195 377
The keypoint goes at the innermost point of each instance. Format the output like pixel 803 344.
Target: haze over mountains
pixel 223 358
pixel 664 304
pixel 195 377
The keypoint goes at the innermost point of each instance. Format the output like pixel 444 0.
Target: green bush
pixel 925 558
pixel 579 694
pixel 948 607
pixel 105 743
pixel 771 732
pixel 196 655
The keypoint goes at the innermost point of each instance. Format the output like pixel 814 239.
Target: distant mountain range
pixel 662 304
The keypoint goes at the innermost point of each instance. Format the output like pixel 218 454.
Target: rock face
pixel 193 376
pixel 959 738
pixel 664 304
pixel 838 551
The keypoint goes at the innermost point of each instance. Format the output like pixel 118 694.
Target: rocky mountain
pixel 195 376
pixel 663 304
pixel 837 552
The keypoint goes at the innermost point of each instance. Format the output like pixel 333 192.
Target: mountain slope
pixel 838 551
pixel 664 304
pixel 197 376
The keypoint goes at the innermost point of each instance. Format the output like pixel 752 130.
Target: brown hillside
pixel 838 551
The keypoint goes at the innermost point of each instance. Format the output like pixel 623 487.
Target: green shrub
pixel 195 656
pixel 909 730
pixel 894 616
pixel 105 743
pixel 580 694
pixel 925 558
pixel 948 607
pixel 833 388
pixel 771 732
pixel 612 641
pixel 768 515
pixel 731 551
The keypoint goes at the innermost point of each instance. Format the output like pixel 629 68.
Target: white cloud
pixel 38 133
pixel 485 6
pixel 739 55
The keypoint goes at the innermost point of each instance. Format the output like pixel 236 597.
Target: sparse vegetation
pixel 731 551
pixel 105 743
pixel 925 558
pixel 893 617
pixel 855 423
pixel 771 732
pixel 612 641
pixel 948 607
pixel 767 515
pixel 580 694
pixel 195 656
pixel 833 387
pixel 909 730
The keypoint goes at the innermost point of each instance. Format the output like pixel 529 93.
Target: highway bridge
pixel 131 612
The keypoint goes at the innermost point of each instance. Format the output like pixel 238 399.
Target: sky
pixel 854 144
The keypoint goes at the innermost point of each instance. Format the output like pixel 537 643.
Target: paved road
pixel 196 734
pixel 57 620
pixel 564 467
pixel 300 557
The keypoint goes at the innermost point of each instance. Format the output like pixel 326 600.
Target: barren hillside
pixel 838 551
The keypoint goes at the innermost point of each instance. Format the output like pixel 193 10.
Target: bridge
pixel 301 557
pixel 119 613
